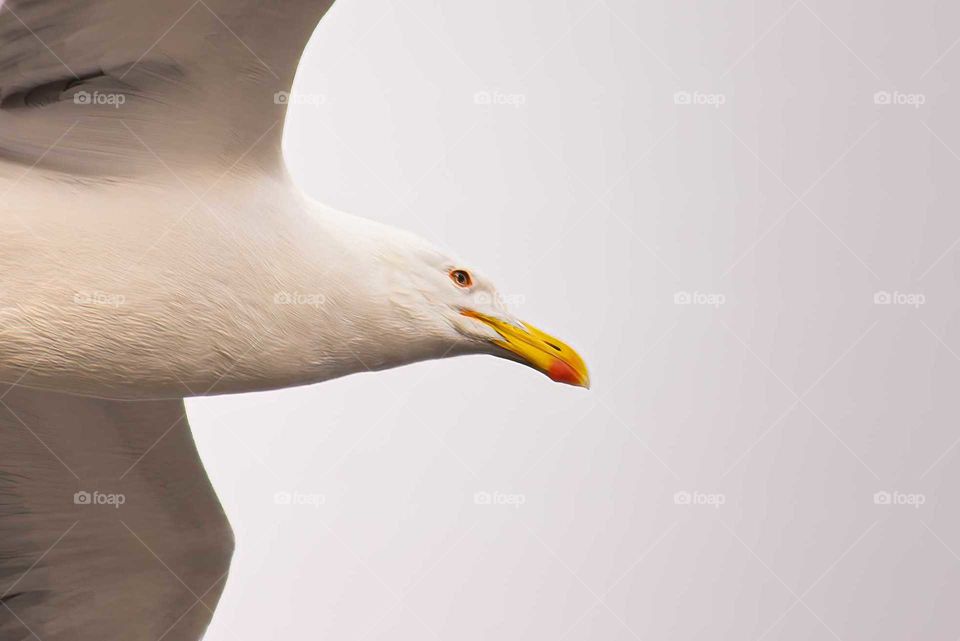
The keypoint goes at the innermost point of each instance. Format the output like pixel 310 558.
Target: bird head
pixel 466 313
pixel 484 319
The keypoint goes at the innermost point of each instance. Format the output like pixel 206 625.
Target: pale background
pixel 593 198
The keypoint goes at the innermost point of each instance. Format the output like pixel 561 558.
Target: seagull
pixel 153 247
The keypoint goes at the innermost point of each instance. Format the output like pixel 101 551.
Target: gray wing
pixel 134 86
pixel 109 528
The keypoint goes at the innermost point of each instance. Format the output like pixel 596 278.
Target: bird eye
pixel 461 278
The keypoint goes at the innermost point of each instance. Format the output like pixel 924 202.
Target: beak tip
pixel 584 381
pixel 561 372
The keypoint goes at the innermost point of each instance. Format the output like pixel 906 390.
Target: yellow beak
pixel 554 358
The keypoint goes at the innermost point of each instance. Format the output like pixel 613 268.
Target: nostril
pixel 554 347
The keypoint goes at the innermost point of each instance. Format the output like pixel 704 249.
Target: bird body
pixel 255 288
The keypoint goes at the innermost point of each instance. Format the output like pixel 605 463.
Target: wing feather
pixel 109 528
pixel 188 82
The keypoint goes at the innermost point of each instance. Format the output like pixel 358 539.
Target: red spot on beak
pixel 560 372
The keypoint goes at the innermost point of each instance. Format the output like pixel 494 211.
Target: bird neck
pixel 288 293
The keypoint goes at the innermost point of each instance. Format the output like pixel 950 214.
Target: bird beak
pixel 538 349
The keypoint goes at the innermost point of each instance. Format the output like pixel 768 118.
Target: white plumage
pixel 152 247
